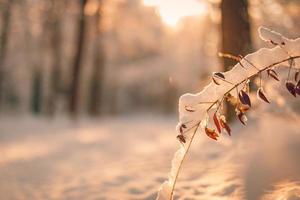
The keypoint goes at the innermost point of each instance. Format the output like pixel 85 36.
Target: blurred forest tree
pixel 116 56
pixel 236 35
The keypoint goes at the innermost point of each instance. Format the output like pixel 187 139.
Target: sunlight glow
pixel 172 11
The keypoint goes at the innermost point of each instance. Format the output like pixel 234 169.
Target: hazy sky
pixel 172 11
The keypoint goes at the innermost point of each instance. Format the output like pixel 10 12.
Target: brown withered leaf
pixel 274 77
pixel 181 127
pixel 261 95
pixel 181 138
pixel 217 123
pixel 291 88
pixel 243 108
pixel 244 98
pixel 225 125
pixel 274 43
pixel 272 73
pixel 211 133
pixel 189 109
pixel 232 99
pixel 215 81
pixel 219 75
pixel 242 117
pixel 216 76
pixel 297 89
pixel 297 76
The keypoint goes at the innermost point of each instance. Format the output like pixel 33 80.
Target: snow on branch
pixel 196 111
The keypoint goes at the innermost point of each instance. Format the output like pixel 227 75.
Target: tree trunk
pixel 236 34
pixel 96 86
pixel 36 88
pixel 76 69
pixel 55 42
pixel 6 18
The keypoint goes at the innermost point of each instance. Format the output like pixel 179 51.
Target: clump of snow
pixel 271 36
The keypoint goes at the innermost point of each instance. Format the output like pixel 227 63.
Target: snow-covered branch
pixel 233 86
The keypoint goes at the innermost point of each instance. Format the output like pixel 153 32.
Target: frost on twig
pixel 233 86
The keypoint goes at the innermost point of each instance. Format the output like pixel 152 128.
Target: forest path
pixel 129 157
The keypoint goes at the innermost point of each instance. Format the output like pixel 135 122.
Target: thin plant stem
pixel 251 63
pixel 183 158
pixel 291 65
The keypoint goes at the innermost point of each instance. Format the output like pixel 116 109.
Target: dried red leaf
pixel 225 125
pixel 297 76
pixel 274 43
pixel 219 75
pixel 216 76
pixel 211 133
pixel 272 71
pixel 261 95
pixel 273 74
pixel 274 77
pixel 291 88
pixel 181 138
pixel 217 123
pixel 297 89
pixel 215 81
pixel 181 127
pixel 242 117
pixel 227 128
pixel 244 98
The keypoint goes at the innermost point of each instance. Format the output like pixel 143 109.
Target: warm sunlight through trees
pixel 89 95
pixel 172 12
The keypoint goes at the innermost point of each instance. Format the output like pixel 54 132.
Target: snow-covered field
pixel 129 157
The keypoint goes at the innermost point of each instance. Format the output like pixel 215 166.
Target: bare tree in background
pixel 36 90
pixel 76 69
pixel 236 33
pixel 39 46
pixel 6 7
pixel 55 40
pixel 96 85
pixel 32 63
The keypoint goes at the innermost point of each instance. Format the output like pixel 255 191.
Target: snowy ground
pixel 129 157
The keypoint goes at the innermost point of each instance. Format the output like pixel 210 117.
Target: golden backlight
pixel 172 11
